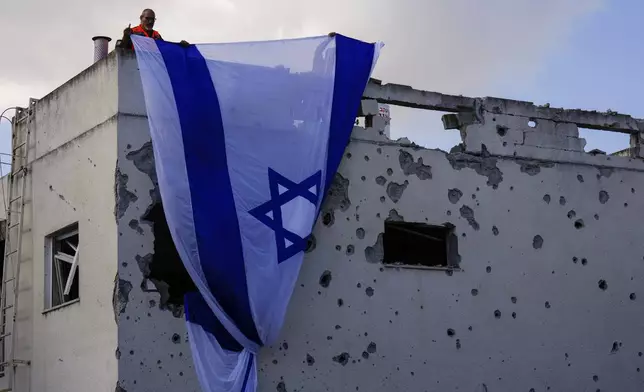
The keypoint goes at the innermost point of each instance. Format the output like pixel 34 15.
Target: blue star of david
pixel 270 213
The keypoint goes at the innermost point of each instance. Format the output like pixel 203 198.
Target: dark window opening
pixel 63 266
pixel 420 245
pixel 166 265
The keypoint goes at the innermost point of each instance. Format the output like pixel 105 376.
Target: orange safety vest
pixel 139 30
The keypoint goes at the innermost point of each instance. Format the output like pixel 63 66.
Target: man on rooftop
pixel 145 29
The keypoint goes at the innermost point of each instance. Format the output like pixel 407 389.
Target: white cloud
pixel 455 46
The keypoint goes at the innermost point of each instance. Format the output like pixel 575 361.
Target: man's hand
pixel 128 30
pixel 184 44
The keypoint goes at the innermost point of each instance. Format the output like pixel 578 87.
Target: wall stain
pixel 134 225
pixel 603 197
pixel 537 242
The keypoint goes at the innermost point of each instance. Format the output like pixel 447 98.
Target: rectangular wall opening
pixel 61 270
pixel 420 245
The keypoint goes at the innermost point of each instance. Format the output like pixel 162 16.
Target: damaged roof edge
pixel 406 96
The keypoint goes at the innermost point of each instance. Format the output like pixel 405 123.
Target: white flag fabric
pixel 247 138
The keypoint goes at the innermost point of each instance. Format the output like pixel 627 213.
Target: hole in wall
pixel 420 244
pixel 165 265
pixel 600 142
pixel 532 123
pixel 423 127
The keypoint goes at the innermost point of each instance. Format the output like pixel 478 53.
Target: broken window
pixel 420 245
pixel 61 269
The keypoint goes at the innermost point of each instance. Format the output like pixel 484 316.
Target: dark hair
pixel 147 9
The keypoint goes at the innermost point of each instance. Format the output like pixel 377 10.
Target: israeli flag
pixel 247 139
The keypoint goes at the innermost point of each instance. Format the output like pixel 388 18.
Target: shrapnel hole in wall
pixel 166 265
pixel 602 142
pixel 419 245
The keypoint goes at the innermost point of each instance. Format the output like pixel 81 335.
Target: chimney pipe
pixel 100 47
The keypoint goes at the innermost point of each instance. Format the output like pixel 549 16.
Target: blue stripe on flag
pixel 213 206
pixel 353 62
pixel 198 312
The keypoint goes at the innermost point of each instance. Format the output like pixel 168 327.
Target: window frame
pixel 50 266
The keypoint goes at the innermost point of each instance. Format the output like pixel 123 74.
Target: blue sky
pixel 598 67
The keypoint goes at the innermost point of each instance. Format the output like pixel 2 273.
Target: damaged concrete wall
pixel 545 296
pixel 71 180
pixel 153 352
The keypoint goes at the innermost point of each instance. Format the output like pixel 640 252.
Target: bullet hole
pixel 327 219
pixel 495 230
pixel 382 199
pixel 501 130
pixel 475 292
pixel 632 296
pixel 350 250
pixel 488 269
pixel 176 338
pixel 449 272
pixel 579 224
pixel 595 378
pixel 562 201
pixel 338 248
pixel 380 180
pixel 514 315
pixel 546 198
pixel 451 332
pixel 396 313
pixel 325 279
pixel 366 158
pixel 337 327
pixel 468 214
pixel 574 260
pixel 274 361
pixel 285 346
pixel 372 348
pixel 369 291
pixel 537 242
pixel 454 195
pixel 580 178
pixel 571 214
pixel 602 284
pixel 511 188
pixel 584 261
pixel 449 213
pixel 311 243
pixel 409 167
pixel 329 338
pixel 615 347
pixel 359 285
pixel 513 299
pixel 639 354
pixel 632 190
pixel 458 344
pixel 281 387
pixel 360 233
pixel 473 196
pixel 497 314
pixel 603 197
pixel 309 359
pixel 596 217
pixel 395 190
pixel 342 359
pixel 390 172
pixel 363 178
pixel 547 305
pixel 340 302
pixel 349 155
pixel 365 355
pixel 625 204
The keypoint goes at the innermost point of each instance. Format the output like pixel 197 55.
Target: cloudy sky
pixel 572 53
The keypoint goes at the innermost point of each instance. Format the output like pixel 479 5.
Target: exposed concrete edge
pixel 406 96
pixel 538 154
